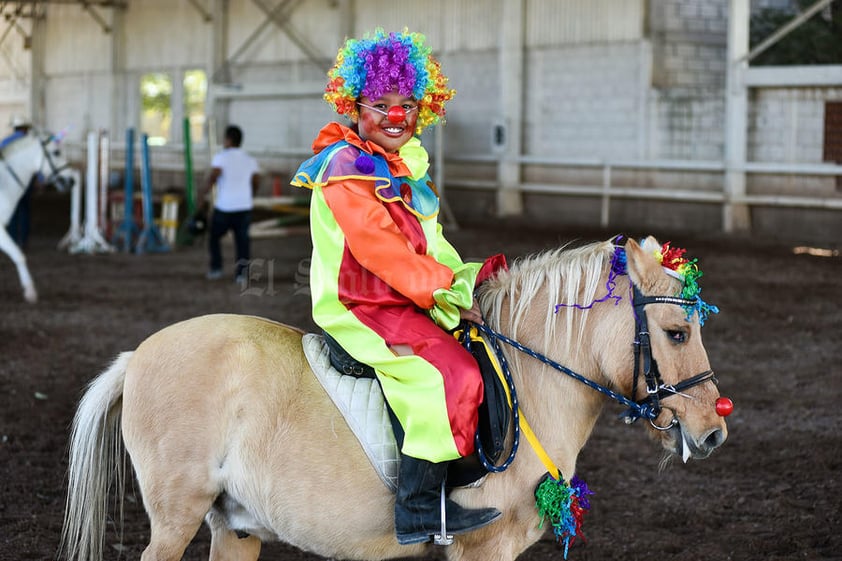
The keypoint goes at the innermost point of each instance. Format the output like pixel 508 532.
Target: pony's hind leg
pixel 226 545
pixel 171 534
pixel 176 506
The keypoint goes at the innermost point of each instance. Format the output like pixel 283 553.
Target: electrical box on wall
pixel 498 136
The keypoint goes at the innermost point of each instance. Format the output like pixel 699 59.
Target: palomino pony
pixel 225 422
pixel 20 161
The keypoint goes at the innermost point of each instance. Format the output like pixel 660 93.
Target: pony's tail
pixel 97 458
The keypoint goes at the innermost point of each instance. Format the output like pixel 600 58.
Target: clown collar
pixel 334 132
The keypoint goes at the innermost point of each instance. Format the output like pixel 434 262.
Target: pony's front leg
pixel 10 248
pixel 504 540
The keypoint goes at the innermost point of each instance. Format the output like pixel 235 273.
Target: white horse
pixel 224 420
pixel 20 161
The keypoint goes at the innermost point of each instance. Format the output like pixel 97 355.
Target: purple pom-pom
pixel 364 163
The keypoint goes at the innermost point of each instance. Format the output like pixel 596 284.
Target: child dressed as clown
pixel 385 283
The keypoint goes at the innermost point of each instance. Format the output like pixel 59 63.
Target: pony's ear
pixel 644 269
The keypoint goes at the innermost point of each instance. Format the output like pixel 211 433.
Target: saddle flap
pixel 361 403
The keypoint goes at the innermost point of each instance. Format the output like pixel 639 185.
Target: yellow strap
pixel 524 425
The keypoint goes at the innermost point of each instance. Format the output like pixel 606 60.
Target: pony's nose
pixel 714 439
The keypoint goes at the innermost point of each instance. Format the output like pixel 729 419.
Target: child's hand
pixel 473 315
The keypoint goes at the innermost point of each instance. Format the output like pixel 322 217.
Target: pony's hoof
pixel 30 296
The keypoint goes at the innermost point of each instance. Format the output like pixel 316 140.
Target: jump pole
pixel 189 191
pixel 125 232
pixel 92 240
pixel 74 234
pixel 150 240
pixel 104 172
pixel 183 236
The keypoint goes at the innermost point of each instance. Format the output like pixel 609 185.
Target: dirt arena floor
pixel 773 492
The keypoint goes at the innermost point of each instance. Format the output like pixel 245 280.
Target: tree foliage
pixel 156 93
pixel 816 41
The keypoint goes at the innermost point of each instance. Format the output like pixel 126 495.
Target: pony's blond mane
pixel 558 276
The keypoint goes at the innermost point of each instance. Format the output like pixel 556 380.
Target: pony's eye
pixel 676 336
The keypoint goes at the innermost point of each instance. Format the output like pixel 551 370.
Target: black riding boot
pixel 418 504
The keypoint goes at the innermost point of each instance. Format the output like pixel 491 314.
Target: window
pixel 195 94
pixel 156 107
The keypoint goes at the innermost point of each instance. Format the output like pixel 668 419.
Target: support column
pixel 37 82
pixel 218 71
pixel 117 121
pixel 735 215
pixel 509 199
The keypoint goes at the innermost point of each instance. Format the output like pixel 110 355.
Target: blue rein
pixel 636 410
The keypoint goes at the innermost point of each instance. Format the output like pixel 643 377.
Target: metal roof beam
pixel 282 11
pixel 300 40
pixel 206 15
pixel 98 3
pixel 97 17
pixel 10 62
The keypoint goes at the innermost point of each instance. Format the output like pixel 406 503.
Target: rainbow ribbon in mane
pixel 672 259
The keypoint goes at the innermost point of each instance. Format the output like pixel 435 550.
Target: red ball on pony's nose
pixel 724 406
pixel 396 114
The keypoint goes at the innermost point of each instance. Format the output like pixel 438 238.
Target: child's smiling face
pixel 375 126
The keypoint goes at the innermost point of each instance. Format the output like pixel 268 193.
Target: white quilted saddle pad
pixel 361 402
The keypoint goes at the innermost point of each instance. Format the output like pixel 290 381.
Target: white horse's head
pixel 55 168
pixel 32 154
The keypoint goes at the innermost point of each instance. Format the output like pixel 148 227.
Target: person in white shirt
pixel 237 178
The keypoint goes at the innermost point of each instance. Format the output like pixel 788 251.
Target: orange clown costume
pixel 383 275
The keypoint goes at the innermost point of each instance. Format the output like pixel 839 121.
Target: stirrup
pixel 443 538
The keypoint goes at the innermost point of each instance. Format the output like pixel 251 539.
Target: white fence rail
pixel 606 190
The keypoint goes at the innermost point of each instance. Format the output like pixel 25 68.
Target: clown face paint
pixel 388 120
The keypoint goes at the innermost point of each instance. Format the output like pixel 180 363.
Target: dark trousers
pixel 18 226
pixel 221 222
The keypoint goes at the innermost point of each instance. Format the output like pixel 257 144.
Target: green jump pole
pixel 189 190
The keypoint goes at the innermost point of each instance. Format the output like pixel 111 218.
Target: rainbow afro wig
pixel 380 63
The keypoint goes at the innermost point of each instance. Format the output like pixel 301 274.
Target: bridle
pixel 55 171
pixel 648 407
pixel 656 389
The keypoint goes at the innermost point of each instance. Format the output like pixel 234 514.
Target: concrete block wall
pixel 586 101
pixel 786 124
pixel 689 42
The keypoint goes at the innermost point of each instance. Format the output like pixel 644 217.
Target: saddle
pixel 354 389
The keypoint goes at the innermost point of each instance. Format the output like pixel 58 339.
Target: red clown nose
pixel 724 406
pixel 396 114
